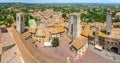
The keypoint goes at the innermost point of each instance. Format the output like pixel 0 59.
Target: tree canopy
pixel 55 42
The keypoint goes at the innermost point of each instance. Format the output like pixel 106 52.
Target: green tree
pixel 55 42
pixel 64 16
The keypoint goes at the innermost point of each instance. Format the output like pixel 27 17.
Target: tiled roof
pixel 26 34
pixel 50 24
pixel 60 29
pixel 41 26
pixel 101 34
pixel 47 38
pixel 116 23
pixel 87 32
pixel 32 30
pixel 13 24
pixel 40 32
pixel 118 14
pixel 91 33
pixel 57 24
pixel 84 32
pixel 79 42
pixel 53 31
pixel 65 24
pixel 115 33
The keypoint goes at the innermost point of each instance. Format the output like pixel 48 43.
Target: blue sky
pixel 63 1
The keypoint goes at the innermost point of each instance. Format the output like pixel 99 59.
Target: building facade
pixel 79 46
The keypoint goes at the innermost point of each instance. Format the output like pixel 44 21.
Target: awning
pixel 47 44
pixel 98 47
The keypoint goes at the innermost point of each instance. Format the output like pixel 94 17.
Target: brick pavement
pixel 10 53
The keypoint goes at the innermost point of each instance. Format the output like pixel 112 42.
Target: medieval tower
pixel 96 36
pixel 20 22
pixel 74 25
pixel 108 21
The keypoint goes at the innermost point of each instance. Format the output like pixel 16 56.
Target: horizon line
pixel 62 3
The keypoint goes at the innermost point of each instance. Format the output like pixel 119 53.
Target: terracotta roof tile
pixel 79 42
pixel 32 30
pixel 118 14
pixel 50 24
pixel 65 24
pixel 40 33
pixel 26 34
pixel 53 31
pixel 101 34
pixel 87 32
pixel 47 38
pixel 60 29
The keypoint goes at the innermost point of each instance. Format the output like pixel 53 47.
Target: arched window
pixel 108 42
pixel 111 42
pixel 115 43
pixel 22 18
pixel 114 49
pixel 119 43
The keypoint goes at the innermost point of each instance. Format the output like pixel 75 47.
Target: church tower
pixel 108 22
pixel 20 22
pixel 74 25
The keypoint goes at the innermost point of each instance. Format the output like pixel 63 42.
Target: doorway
pixel 114 49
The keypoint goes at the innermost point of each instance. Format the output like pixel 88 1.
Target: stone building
pixel 79 42
pixel 102 41
pixel 109 41
pixel 74 25
pixel 45 32
pixel 108 21
pixel 112 41
pixel 79 46
pixel 117 15
pixel 20 22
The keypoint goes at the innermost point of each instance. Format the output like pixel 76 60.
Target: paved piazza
pixel 62 51
pixel 10 50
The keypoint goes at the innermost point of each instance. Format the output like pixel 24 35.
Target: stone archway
pixel 114 49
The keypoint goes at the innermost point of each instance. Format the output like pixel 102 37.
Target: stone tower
pixel 96 36
pixel 108 21
pixel 74 25
pixel 20 22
